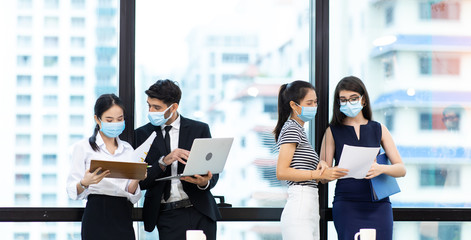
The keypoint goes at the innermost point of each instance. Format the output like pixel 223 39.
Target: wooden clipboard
pixel 128 170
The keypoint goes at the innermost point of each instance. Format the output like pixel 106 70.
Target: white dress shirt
pixel 81 157
pixel 176 189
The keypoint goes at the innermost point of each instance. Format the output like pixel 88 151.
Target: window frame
pixel 319 69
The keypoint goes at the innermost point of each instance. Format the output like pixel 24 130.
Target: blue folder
pixel 383 186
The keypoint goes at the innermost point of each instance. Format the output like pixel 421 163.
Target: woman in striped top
pixel 298 163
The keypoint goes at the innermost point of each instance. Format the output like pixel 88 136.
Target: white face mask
pixel 352 110
pixel 307 113
pixel 112 129
pixel 158 118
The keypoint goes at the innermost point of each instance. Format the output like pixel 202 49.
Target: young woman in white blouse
pixel 298 163
pixel 107 214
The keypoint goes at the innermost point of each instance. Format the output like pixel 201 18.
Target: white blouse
pixel 81 157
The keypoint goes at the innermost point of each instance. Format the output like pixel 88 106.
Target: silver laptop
pixel 206 154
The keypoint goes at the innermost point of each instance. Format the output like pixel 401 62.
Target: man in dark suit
pixel 176 205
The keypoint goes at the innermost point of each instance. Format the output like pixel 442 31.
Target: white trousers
pixel 300 217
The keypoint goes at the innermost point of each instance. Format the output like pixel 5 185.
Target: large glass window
pixel 229 58
pixel 403 64
pixel 49 87
pixel 415 75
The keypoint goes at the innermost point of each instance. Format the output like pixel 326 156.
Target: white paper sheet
pixel 357 160
pixel 140 152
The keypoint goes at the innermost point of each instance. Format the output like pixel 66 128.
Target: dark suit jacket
pixel 202 200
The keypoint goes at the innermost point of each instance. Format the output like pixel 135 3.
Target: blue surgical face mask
pixel 351 110
pixel 307 113
pixel 158 118
pixel 112 129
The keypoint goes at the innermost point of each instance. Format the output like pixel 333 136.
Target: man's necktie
pixel 167 147
pixel 167 138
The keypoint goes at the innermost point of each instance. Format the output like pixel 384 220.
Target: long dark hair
pixel 294 91
pixel 102 104
pixel 354 84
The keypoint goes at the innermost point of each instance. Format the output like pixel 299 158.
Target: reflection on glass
pixel 415 73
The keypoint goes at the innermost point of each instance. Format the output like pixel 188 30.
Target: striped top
pixel 304 157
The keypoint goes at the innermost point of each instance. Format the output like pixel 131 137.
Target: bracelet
pixel 83 186
pixel 161 161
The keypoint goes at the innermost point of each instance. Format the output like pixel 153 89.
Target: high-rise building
pixel 412 56
pixel 62 55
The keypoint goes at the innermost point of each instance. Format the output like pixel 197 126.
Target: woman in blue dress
pixel 352 125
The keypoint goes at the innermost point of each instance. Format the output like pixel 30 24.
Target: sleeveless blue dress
pixel 353 207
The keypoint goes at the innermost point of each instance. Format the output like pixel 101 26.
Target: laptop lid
pixel 206 154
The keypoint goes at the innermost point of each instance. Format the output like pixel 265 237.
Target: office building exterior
pixel 62 55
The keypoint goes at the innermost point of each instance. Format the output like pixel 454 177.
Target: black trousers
pixel 172 224
pixel 107 217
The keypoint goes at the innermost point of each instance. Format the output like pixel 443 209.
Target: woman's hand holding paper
pixel 333 173
pixel 375 170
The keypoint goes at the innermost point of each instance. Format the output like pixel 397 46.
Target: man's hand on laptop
pixel 177 155
pixel 200 180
